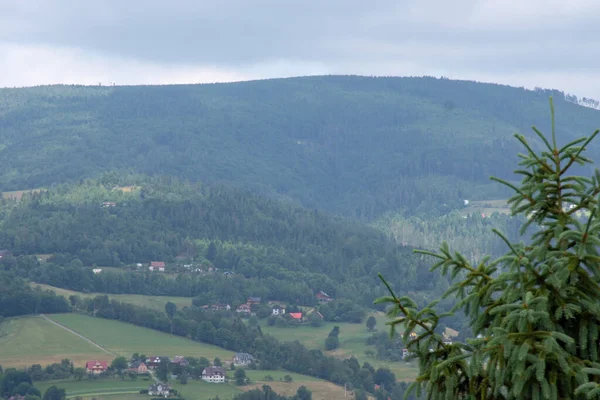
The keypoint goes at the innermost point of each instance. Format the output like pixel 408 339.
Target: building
pixel 213 374
pixel 278 310
pixel 253 300
pixel 138 367
pixel 296 316
pixel 159 389
pixel 323 297
pixel 242 359
pixel 157 266
pixel 244 308
pixel 107 204
pixel 5 253
pixel 153 362
pixel 97 270
pixel 96 367
pixel 180 360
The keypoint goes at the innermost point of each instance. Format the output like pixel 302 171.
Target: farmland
pixel 126 339
pixel 88 387
pixel 33 340
pixel 155 302
pixel 18 194
pixel 487 207
pixel 352 343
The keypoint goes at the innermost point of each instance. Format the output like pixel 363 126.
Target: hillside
pixel 352 145
pixel 271 249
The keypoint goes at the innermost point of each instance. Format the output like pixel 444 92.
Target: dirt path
pixel 77 334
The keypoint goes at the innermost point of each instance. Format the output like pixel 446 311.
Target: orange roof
pixel 296 315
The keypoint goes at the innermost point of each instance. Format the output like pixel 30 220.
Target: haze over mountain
pixel 353 145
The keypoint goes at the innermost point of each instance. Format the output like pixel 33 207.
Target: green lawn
pixel 200 390
pixel 126 339
pixel 260 375
pixel 32 340
pixel 97 386
pixel 155 302
pixel 352 342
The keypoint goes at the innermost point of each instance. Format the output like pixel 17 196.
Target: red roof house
pixel 157 265
pixel 323 297
pixel 96 367
pixel 296 315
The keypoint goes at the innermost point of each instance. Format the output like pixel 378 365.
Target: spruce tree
pixel 534 312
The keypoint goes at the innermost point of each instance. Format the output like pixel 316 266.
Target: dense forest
pixel 357 146
pixel 267 248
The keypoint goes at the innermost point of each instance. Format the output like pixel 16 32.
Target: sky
pixel 533 43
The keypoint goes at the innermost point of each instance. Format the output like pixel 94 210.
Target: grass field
pixel 32 340
pixel 155 302
pixel 200 390
pixel 18 194
pixel 126 339
pixel 487 207
pixel 352 343
pixel 87 387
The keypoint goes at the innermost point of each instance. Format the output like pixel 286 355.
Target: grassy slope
pixel 155 302
pixel 32 340
pixel 352 343
pixel 126 339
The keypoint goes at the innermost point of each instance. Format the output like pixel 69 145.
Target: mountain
pixel 357 146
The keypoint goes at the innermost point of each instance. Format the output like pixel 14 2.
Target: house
pixel 97 270
pixel 213 374
pixel 153 362
pixel 4 253
pixel 323 297
pixel 159 389
pixel 278 310
pixel 221 307
pixel 242 359
pixel 107 204
pixel 157 266
pixel 17 397
pixel 244 308
pixel 96 366
pixel 138 367
pixel 296 316
pixel 180 360
pixel 253 300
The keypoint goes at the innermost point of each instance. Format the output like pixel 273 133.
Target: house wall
pixel 214 378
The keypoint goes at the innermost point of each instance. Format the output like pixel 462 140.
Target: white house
pixel 97 270
pixel 242 359
pixel 278 311
pixel 159 389
pixel 213 375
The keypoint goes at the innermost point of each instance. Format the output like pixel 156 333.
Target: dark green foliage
pixel 54 393
pixel 274 250
pixel 240 376
pixel 119 364
pixel 11 380
pixel 347 144
pixel 18 298
pixel 534 312
pixel 371 322
pixel 342 311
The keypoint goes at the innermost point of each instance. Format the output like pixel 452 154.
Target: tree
pixel 119 364
pixel 240 376
pixel 534 312
pixel 371 322
pixel 303 393
pixel 54 393
pixel 288 378
pixel 171 310
pixel 79 373
pixel 183 378
pixel 332 342
pixel 217 362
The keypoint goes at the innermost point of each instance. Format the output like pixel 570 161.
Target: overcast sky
pixel 545 43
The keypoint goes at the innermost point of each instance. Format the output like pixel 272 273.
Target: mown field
pixel 33 340
pixel 18 194
pixel 155 302
pixel 126 339
pixel 487 207
pixel 86 387
pixel 352 343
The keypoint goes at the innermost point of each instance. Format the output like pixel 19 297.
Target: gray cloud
pixel 533 43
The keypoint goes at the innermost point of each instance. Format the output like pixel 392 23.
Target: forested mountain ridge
pixel 274 249
pixel 357 146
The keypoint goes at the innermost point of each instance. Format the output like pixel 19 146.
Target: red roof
pixel 296 315
pixel 157 264
pixel 95 364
